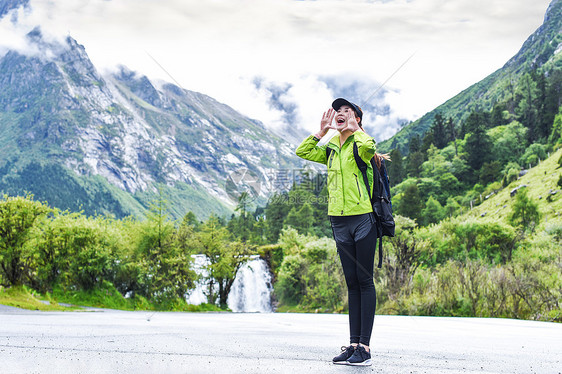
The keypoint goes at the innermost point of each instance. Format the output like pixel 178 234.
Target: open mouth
pixel 340 120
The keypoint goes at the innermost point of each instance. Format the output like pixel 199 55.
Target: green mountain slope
pixel 541 184
pixel 540 50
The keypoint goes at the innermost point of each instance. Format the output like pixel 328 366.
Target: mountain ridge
pixel 539 49
pixel 138 135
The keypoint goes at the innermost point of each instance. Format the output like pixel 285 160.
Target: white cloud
pixel 219 47
pixel 12 33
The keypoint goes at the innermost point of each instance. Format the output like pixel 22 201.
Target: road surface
pixel 108 341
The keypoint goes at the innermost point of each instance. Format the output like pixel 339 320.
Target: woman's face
pixel 341 117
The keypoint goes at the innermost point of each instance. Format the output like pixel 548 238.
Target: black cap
pixel 338 103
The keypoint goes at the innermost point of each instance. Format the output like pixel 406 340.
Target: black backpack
pixel 381 201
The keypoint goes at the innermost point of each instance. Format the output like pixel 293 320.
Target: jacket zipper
pixel 342 185
pixel 357 182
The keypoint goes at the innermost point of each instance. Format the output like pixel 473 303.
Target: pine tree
pixel 478 144
pixel 190 219
pixel 554 93
pixel 544 118
pixel 244 222
pixel 414 144
pixel 490 172
pixel 301 219
pixel 427 142
pixel 451 133
pixel 414 163
pixel 497 116
pixel 440 138
pixel 556 132
pixel 321 226
pixel 410 203
pixel 276 210
pixel 433 211
pixel 527 111
pixel 396 167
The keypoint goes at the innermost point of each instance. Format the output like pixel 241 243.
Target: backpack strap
pixel 385 180
pixel 363 168
pixel 328 153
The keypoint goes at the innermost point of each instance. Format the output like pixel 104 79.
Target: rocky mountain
pixel 541 50
pixel 113 143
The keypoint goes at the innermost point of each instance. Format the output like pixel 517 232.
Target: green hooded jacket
pixel 346 188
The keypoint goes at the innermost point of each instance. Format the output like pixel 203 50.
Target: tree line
pixel 469 268
pixel 149 260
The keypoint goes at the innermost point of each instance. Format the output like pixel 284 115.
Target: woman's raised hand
pixel 351 122
pixel 326 122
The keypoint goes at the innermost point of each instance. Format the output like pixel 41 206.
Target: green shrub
pixel 291 283
pixel 510 176
pixel 533 154
pixel 92 250
pixel 273 255
pixel 470 239
pixel 525 212
pixel 325 286
pixel 20 218
pixel 310 277
pixel 318 251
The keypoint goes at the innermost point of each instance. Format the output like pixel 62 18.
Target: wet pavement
pixel 107 341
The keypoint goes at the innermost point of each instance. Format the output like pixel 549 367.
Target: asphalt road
pixel 107 341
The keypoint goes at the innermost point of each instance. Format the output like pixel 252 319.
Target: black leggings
pixel 356 239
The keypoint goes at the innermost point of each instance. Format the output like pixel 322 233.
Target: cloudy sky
pixel 284 61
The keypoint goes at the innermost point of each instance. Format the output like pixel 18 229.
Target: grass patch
pixel 201 308
pixel 108 297
pixel 540 181
pixel 283 308
pixel 25 298
pixel 105 296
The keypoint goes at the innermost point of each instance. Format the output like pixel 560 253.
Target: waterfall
pixel 250 292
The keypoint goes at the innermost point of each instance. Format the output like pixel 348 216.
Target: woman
pixel 351 216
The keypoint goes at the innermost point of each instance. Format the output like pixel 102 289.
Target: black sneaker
pixel 360 357
pixel 346 353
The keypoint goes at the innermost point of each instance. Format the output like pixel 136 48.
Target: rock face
pixel 139 135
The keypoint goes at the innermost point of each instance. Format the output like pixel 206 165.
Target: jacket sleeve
pixel 365 145
pixel 309 150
